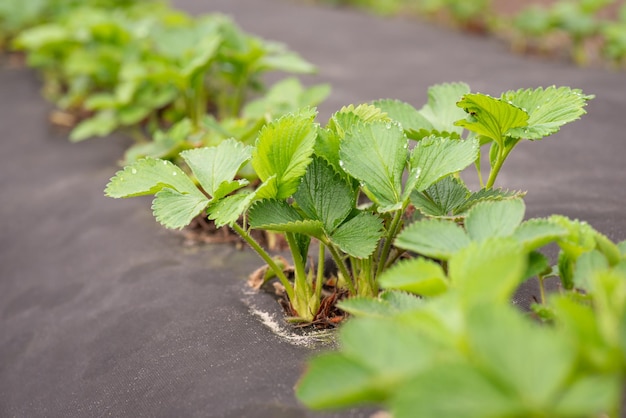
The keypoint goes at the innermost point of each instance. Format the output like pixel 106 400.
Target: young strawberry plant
pixel 461 349
pixel 312 178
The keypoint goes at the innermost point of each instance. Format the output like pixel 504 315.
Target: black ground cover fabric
pixel 104 313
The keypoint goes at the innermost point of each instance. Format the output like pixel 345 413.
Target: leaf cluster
pixel 444 340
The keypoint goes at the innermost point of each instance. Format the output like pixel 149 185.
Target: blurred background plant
pixel 587 31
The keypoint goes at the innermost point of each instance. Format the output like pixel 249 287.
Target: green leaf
pixel 590 396
pixel 228 210
pixel 216 167
pixel 434 238
pixel 284 149
pixel 548 109
pixel 487 195
pixel 325 196
pixel 491 117
pixel 375 153
pixel 407 115
pixel 536 233
pixel 419 275
pixel 101 124
pixel 441 110
pixel 336 380
pixel 452 391
pixel 587 265
pixel 176 210
pixel 536 362
pixel 277 215
pixel 205 51
pixel 435 158
pixel 359 236
pixel 442 198
pixel 391 348
pixel 494 219
pixel 488 271
pixel 538 264
pixel 366 307
pixel 149 176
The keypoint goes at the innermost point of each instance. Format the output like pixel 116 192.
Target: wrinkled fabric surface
pixel 105 313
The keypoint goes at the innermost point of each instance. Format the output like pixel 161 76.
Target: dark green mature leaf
pixel 148 176
pixel 176 210
pixel 375 153
pixel 433 238
pixel 359 236
pixel 494 219
pixel 284 149
pixel 216 167
pixel 324 195
pixel 491 117
pixel 418 275
pixel 548 109
pixel 278 215
pixel 442 198
pixel 435 158
pixel 336 380
pixel 407 115
pixel 487 195
pixel 537 360
pixel 452 391
pixel 441 110
pixel 488 271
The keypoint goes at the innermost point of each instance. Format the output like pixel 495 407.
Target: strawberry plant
pixel 312 178
pixel 460 349
pixel 143 68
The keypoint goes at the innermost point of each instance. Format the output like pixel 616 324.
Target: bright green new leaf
pixel 456 390
pixel 216 167
pixel 228 210
pixel 537 360
pixel 206 50
pixel 441 110
pixel 418 275
pixel 176 210
pixel 590 396
pixel 101 124
pixel 435 158
pixel 491 117
pixel 536 233
pixel 433 238
pixel 148 176
pixel 488 271
pixel 336 380
pixel 494 219
pixel 324 195
pixel 284 149
pixel 375 153
pixel 277 215
pixel 391 348
pixel 407 115
pixel 359 236
pixel 548 109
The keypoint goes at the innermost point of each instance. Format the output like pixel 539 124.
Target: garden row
pixel 589 30
pixel 425 266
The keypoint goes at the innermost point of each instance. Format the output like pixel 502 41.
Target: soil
pixel 103 312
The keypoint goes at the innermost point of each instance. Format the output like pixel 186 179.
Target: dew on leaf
pixel 173 173
pixel 134 171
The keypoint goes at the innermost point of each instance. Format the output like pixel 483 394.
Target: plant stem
pixel 320 270
pixel 266 257
pixel 392 232
pixel 298 261
pixel 342 268
pixel 503 152
pixel 542 290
